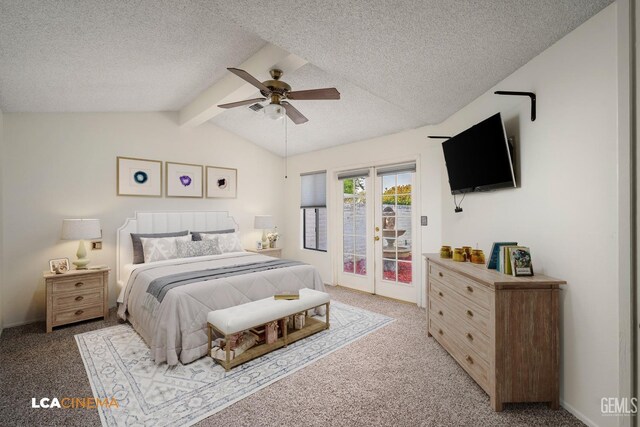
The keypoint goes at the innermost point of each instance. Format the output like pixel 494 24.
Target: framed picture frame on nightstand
pixel 59 265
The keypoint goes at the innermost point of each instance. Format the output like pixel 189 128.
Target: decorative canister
pixel 477 256
pixel 299 321
pixel 459 255
pixel 467 251
pixel 445 252
pixel 271 332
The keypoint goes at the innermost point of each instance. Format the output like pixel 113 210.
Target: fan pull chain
pixel 286 150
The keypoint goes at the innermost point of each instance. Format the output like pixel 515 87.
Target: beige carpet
pixel 395 376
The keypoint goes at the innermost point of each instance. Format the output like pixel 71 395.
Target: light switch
pixel 96 246
pixel 423 220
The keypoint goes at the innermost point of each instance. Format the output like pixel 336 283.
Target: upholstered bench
pixel 232 320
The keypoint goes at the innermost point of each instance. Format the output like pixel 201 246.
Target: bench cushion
pixel 244 316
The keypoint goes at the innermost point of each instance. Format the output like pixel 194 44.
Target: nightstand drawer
pixel 77 283
pixel 68 300
pixel 77 314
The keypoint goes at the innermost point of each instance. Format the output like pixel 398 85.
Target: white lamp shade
pixel 262 222
pixel 81 229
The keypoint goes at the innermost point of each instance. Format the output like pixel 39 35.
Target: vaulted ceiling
pixel 398 64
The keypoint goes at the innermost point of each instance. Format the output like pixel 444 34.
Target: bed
pixel 167 301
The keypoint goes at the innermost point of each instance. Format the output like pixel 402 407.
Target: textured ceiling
pixel 96 55
pixel 399 64
pixel 428 57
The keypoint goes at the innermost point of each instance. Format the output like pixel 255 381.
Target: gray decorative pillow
pixel 138 253
pixel 228 242
pixel 162 248
pixel 197 234
pixel 199 248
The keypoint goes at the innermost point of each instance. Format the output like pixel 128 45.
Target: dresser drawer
pixel 453 303
pixel 474 291
pixel 70 300
pixel 77 314
pixel 466 357
pixel 77 284
pixel 462 331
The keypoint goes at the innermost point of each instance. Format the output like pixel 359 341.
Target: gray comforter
pixel 174 326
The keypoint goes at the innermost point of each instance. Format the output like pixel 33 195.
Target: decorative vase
pixel 445 252
pixel 272 245
pixel 477 256
pixel 459 255
pixel 467 251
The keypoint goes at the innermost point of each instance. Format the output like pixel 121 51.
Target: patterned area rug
pixel 118 365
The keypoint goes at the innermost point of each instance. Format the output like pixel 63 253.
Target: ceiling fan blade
pixel 241 103
pixel 250 79
pixel 326 93
pixel 295 115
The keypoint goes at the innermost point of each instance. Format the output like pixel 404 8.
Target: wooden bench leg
pixel 209 339
pixel 285 327
pixel 227 347
pixel 327 315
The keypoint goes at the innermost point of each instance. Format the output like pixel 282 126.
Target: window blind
pixel 393 169
pixel 354 174
pixel 313 190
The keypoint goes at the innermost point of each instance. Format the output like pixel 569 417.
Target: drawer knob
pixel 440 332
pixel 469 337
pixel 440 274
pixel 469 359
pixel 440 312
pixel 79 312
pixel 441 294
pixel 469 288
pixel 469 313
pixel 79 284
pixel 80 298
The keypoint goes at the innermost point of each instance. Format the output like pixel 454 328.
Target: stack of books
pixel 287 295
pixel 509 258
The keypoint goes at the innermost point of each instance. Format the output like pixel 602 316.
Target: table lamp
pixel 264 223
pixel 81 229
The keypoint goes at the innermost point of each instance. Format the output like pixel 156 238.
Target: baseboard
pixel 579 415
pixel 24 322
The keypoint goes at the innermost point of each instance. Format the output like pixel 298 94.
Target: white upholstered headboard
pixel 166 222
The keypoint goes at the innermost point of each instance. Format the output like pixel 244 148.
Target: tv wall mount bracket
pixel 531 95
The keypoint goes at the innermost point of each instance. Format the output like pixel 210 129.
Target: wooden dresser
pixel 502 330
pixel 76 295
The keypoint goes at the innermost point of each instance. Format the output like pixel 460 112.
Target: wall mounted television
pixel 480 158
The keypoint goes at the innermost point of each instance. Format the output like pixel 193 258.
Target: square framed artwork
pixel 138 177
pixel 59 265
pixel 183 180
pixel 222 182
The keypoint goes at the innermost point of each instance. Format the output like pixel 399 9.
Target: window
pixel 313 204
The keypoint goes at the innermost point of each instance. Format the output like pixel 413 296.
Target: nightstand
pixel 75 296
pixel 274 252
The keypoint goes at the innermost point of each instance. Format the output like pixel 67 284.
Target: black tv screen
pixel 480 158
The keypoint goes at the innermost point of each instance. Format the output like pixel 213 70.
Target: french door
pixel 377 220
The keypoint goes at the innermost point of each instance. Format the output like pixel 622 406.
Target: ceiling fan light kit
pixel 278 91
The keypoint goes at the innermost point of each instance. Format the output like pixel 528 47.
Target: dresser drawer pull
pixel 469 313
pixel 469 359
pixel 469 288
pixel 440 332
pixel 469 337
pixel 440 312
pixel 79 298
pixel 79 312
pixel 440 294
pixel 79 284
pixel 440 274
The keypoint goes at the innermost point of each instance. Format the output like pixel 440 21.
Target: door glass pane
pixel 354 229
pixel 397 227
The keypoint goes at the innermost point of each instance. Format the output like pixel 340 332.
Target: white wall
pixel 565 208
pixel 64 166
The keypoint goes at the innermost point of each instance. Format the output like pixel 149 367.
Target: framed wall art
pixel 138 177
pixel 222 182
pixel 183 180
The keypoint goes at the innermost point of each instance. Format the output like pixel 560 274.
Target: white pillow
pixel 228 242
pixel 197 248
pixel 161 248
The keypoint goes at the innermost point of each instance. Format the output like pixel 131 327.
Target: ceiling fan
pixel 279 91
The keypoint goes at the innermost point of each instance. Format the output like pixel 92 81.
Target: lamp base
pixel 81 264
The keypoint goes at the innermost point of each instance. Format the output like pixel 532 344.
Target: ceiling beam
pixel 232 88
